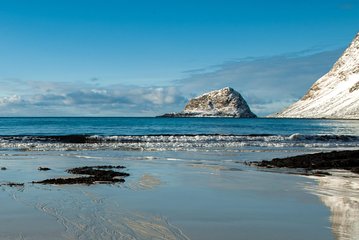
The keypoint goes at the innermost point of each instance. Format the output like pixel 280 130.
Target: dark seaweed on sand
pixel 43 169
pixel 93 174
pixel 347 160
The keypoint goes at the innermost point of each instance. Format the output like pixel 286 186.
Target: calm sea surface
pixel 157 126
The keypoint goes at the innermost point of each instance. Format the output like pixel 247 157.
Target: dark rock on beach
pixel 43 169
pixel 98 171
pixel 347 160
pixel 80 180
pixel 94 174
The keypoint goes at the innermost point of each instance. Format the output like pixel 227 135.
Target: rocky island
pixel 225 102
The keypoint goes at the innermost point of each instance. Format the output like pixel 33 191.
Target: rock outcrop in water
pixel 335 95
pixel 225 102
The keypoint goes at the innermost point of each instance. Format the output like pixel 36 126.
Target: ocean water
pixel 184 134
pixel 187 179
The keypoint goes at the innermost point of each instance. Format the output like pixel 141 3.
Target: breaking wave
pixel 178 142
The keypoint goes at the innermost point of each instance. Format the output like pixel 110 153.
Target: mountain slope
pixel 335 95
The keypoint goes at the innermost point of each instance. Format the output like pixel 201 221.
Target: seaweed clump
pixel 93 174
pixel 44 169
pixel 347 160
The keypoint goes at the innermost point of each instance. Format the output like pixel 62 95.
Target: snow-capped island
pixel 225 102
pixel 335 95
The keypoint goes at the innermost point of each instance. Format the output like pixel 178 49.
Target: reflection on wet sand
pixel 340 193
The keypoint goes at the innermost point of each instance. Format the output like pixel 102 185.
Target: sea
pixel 177 134
pixel 188 179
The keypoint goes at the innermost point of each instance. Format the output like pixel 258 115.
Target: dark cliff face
pixel 225 102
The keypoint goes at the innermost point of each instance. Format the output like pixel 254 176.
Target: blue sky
pixel 143 58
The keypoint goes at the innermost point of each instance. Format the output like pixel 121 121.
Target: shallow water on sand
pixel 169 195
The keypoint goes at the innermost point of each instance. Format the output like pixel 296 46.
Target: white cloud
pixel 268 84
pixel 78 99
pixel 10 100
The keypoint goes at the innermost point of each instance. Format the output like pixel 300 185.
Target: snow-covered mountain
pixel 335 95
pixel 225 102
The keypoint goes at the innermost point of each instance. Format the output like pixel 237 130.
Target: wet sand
pixel 340 193
pixel 21 221
pixel 168 195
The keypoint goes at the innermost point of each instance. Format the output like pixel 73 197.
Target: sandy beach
pixel 168 195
